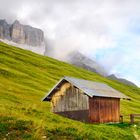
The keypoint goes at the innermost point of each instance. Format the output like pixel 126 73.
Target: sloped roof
pixel 90 88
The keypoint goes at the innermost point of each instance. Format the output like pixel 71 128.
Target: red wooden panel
pixel 103 109
pixel 94 110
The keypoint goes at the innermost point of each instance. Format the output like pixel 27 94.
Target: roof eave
pixel 47 97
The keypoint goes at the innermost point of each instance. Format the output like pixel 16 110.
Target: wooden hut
pixel 85 100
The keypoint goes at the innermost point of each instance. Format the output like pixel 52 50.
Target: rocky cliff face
pixel 22 34
pixel 4 30
pixel 33 36
pixel 17 33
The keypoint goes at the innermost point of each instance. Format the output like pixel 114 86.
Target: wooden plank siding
pixel 102 110
pixel 69 99
pixel 71 102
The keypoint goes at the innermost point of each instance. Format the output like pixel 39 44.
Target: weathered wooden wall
pixel 103 110
pixel 71 102
pixel 69 98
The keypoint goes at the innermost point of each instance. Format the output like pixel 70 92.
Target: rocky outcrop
pixel 21 34
pixel 4 30
pixel 18 33
pixel 33 36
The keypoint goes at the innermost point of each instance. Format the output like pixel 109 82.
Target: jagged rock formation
pixel 78 59
pixel 4 30
pixel 113 77
pixel 18 33
pixel 22 34
pixel 33 36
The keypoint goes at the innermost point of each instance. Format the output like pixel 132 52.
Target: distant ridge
pixel 78 59
pixel 127 82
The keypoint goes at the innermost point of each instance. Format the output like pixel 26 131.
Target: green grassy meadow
pixel 25 77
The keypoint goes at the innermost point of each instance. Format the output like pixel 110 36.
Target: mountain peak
pixel 16 22
pixel 80 60
pixel 2 20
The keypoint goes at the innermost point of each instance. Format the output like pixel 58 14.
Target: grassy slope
pixel 26 77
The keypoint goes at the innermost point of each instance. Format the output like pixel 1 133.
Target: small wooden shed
pixel 85 100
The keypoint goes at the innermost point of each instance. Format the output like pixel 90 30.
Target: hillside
pixel 26 77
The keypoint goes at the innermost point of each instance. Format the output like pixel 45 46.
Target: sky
pixel 107 31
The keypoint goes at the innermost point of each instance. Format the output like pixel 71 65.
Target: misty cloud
pixel 107 31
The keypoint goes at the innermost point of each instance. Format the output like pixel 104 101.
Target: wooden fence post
pixel 131 118
pixel 121 118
